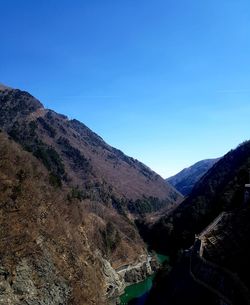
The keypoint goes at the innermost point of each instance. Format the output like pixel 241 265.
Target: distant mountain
pixel 185 180
pixel 68 202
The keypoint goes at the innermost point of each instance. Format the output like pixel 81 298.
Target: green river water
pixel 138 290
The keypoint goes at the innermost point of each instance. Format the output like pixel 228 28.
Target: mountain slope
pixel 68 201
pixel 185 180
pixel 44 247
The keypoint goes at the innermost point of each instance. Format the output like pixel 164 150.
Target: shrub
pixel 76 193
pixel 50 130
pixel 55 180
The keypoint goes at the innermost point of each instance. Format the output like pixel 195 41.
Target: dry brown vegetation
pixel 86 158
pixel 39 223
pixel 67 200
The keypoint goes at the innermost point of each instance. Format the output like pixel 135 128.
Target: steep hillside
pixel 185 180
pixel 55 248
pixel 46 255
pixel 68 201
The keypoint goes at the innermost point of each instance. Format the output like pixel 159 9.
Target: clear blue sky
pixel 166 81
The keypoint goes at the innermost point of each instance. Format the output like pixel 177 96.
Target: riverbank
pixel 139 291
pixel 116 280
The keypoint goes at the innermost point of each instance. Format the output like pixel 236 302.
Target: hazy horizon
pixel 166 82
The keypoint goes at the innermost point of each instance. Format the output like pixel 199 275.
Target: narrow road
pixel 210 227
pixel 222 282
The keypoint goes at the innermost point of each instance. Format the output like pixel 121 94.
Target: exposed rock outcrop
pixel 117 280
pixel 33 283
pixel 115 283
pixel 138 272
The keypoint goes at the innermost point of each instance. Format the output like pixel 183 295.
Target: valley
pixel 125 152
pixel 82 223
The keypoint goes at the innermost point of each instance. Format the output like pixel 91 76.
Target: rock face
pixel 186 179
pixel 115 283
pixel 117 280
pixel 140 271
pixel 20 287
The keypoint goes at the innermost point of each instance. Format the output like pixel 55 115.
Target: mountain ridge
pixel 83 138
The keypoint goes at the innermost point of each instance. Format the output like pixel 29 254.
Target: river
pixel 137 293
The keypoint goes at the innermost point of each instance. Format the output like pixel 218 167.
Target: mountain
pixel 68 204
pixel 185 180
pixel 207 237
pixel 77 156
